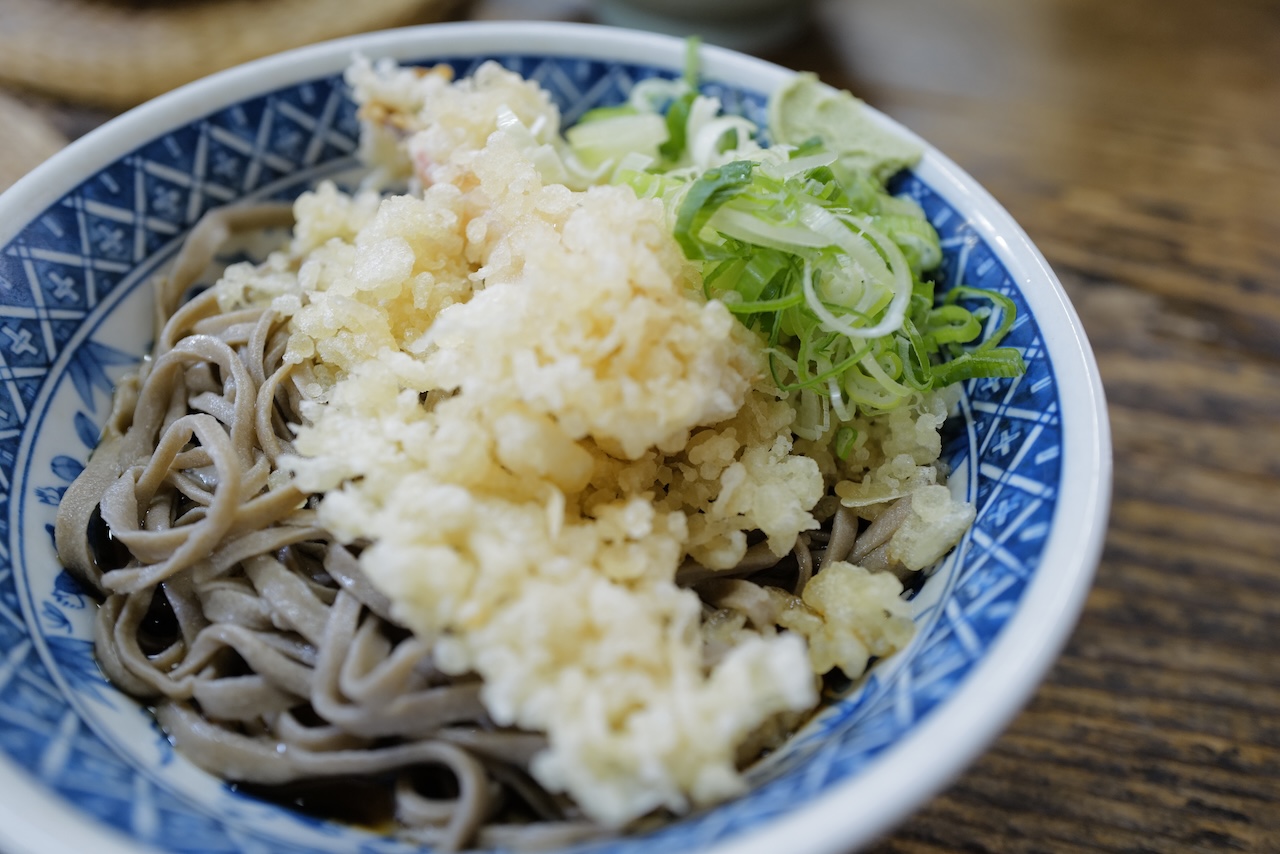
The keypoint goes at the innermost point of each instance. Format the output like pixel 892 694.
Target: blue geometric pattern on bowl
pixel 73 317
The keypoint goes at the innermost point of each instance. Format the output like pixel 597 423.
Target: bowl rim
pixel 1018 658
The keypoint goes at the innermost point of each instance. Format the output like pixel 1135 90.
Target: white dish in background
pixel 83 766
pixel 747 25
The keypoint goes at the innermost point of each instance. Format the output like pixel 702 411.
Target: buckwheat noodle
pixel 268 657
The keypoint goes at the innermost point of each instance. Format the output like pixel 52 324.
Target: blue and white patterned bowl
pixel 83 767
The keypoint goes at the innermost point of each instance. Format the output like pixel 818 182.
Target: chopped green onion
pixel 804 245
pixel 763 305
pixel 677 120
pixel 692 64
pixel 1008 311
pixel 604 113
pixel 846 437
pixel 998 362
pixel 949 324
pixel 709 192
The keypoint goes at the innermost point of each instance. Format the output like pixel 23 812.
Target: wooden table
pixel 1138 142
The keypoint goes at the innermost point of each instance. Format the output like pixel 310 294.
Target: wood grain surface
pixel 1138 143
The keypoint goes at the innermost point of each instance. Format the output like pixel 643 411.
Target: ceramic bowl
pixel 84 768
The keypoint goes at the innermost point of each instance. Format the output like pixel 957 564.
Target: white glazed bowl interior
pixel 83 766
